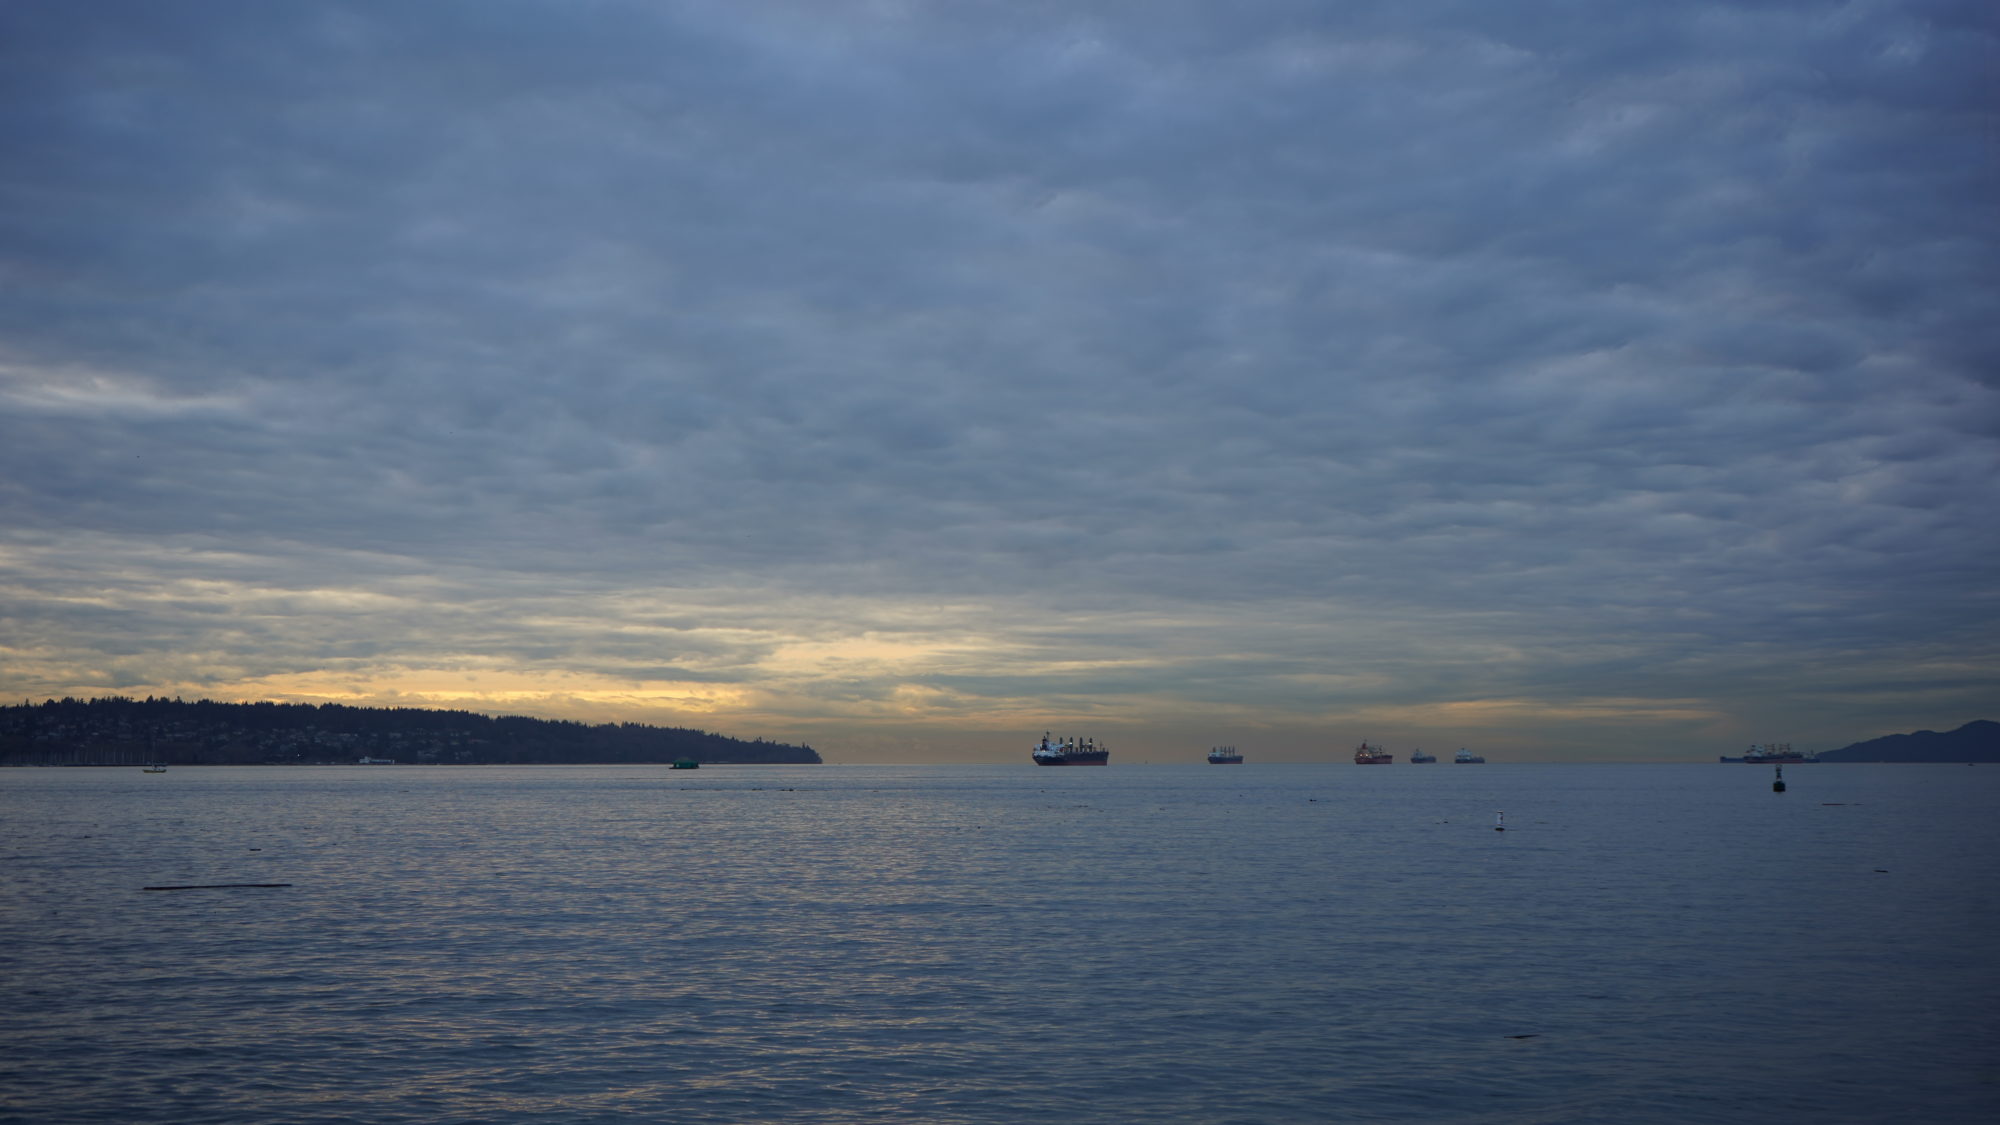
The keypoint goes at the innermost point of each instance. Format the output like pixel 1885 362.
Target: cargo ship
pixel 1467 757
pixel 1419 757
pixel 1071 752
pixel 1366 755
pixel 1225 756
pixel 1773 754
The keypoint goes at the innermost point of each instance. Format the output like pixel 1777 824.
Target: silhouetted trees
pixel 119 729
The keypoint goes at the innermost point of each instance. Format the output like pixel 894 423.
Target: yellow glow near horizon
pixel 850 677
pixel 871 653
pixel 1486 713
pixel 562 694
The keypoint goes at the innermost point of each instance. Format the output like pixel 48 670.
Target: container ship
pixel 1419 757
pixel 1071 752
pixel 1772 754
pixel 1366 755
pixel 1467 758
pixel 1225 756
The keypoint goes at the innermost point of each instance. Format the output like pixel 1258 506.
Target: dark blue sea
pixel 1260 943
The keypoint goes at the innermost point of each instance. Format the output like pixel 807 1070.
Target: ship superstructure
pixel 1071 752
pixel 1773 754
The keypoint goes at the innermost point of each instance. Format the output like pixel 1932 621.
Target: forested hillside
pixel 118 731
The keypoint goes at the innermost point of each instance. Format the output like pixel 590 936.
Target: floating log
pixel 212 886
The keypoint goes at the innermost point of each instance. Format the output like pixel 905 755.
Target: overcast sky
pixel 1558 379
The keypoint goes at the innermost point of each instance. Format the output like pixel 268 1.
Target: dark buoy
pixel 1778 786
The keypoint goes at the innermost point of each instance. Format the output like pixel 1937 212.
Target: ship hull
pixel 1366 755
pixel 1070 752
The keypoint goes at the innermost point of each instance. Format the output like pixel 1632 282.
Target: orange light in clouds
pixel 561 694
pixel 1490 713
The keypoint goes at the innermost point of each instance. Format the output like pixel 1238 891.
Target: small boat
pixel 1418 757
pixel 1225 756
pixel 686 764
pixel 156 767
pixel 1467 757
pixel 1366 755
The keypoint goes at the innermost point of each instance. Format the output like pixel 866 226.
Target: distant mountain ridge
pixel 122 731
pixel 1976 741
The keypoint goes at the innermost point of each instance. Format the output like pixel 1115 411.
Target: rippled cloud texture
pixel 1566 380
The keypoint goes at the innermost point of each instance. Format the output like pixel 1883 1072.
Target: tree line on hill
pixel 118 730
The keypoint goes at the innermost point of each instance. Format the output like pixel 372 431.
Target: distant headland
pixel 122 731
pixel 1976 741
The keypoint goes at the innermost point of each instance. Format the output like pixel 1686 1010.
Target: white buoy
pixel 1499 822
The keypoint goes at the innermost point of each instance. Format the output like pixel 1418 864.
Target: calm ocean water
pixel 1262 943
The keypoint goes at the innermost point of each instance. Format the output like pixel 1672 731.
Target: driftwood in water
pixel 212 886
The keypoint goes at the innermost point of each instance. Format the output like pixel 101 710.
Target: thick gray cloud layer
pixel 1574 377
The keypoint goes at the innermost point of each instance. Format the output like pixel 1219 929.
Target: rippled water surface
pixel 1260 943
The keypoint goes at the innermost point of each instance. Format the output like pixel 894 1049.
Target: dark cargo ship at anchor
pixel 1071 752
pixel 1773 753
